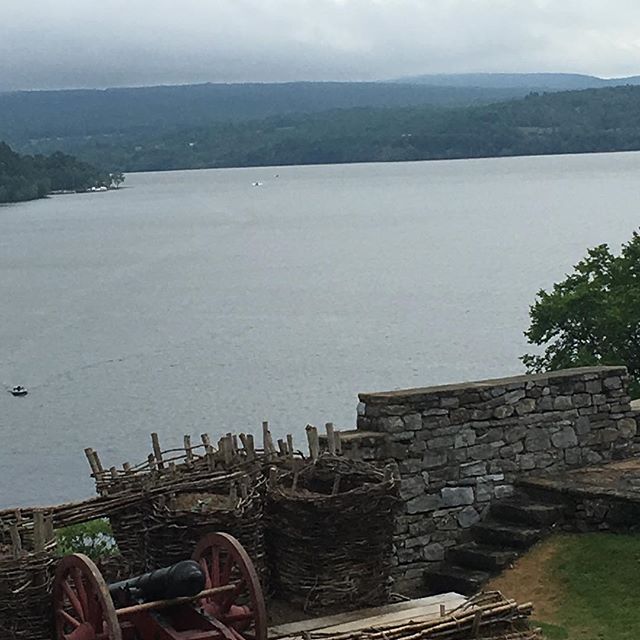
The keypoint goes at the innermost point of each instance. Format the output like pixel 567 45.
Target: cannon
pixel 214 596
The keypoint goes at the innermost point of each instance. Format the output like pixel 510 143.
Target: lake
pixel 193 301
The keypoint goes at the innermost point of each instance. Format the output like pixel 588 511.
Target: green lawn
pixel 597 580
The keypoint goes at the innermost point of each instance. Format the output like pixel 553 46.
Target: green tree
pixel 593 316
pixel 116 179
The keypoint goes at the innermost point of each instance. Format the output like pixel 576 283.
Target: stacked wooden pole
pixel 487 616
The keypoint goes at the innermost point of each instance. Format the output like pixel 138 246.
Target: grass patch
pixel 551 631
pixel 598 578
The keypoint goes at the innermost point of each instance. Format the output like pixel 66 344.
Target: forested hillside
pixel 568 122
pixel 28 178
pixel 33 115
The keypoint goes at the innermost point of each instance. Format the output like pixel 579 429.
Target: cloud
pixel 64 43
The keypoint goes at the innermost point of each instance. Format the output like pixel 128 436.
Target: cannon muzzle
pixel 184 578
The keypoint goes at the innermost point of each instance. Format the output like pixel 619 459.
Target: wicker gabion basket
pixel 161 505
pixel 329 533
pixel 27 565
pixel 231 503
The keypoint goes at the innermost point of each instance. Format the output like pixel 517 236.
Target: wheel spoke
pixel 73 599
pixel 227 570
pixel 81 591
pixel 230 598
pixel 68 618
pixel 237 617
pixel 215 566
pixel 204 565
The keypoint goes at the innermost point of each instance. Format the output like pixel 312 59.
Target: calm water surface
pixel 192 301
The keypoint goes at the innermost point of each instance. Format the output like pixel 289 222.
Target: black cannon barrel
pixel 184 578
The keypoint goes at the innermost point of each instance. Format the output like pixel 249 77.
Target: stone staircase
pixel 511 528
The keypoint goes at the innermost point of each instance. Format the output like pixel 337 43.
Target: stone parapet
pixel 460 446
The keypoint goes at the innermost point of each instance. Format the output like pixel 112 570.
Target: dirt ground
pixel 529 580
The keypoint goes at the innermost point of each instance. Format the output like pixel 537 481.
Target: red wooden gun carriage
pixel 214 596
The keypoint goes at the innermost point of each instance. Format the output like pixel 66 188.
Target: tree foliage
pixel 567 122
pixel 30 177
pixel 593 316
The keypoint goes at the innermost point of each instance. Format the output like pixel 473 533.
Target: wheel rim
pixel 82 606
pixel 225 561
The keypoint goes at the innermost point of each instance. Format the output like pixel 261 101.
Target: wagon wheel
pixel 82 605
pixel 224 561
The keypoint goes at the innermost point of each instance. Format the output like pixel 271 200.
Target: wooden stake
pixel 187 448
pixel 331 438
pixel 225 445
pixel 92 463
pixel 39 533
pixel 16 542
pixel 267 442
pixel 96 459
pixel 289 446
pixel 314 442
pixel 157 451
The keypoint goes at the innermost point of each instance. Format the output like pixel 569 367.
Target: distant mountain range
pixel 527 81
pixel 584 121
pixel 423 117
pixel 29 115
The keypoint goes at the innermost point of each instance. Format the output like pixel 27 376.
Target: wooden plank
pixel 366 617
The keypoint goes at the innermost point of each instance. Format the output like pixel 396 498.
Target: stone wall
pixel 460 446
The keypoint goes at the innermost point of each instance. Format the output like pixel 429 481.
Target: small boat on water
pixel 18 390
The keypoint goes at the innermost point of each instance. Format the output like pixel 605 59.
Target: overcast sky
pixel 90 43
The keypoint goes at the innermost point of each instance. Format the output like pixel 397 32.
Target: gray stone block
pixel 457 496
pixel 564 438
pixel 473 469
pixel 464 438
pixel 514 396
pixel 614 382
pixel 433 552
pixel 537 440
pixel 423 504
pixel 627 427
pixel 562 403
pixel 434 459
pixel 526 405
pixel 467 517
pixel 411 487
pixel 503 411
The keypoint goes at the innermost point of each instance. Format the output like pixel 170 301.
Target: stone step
pixel 481 556
pixel 530 513
pixel 539 491
pixel 508 535
pixel 453 578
